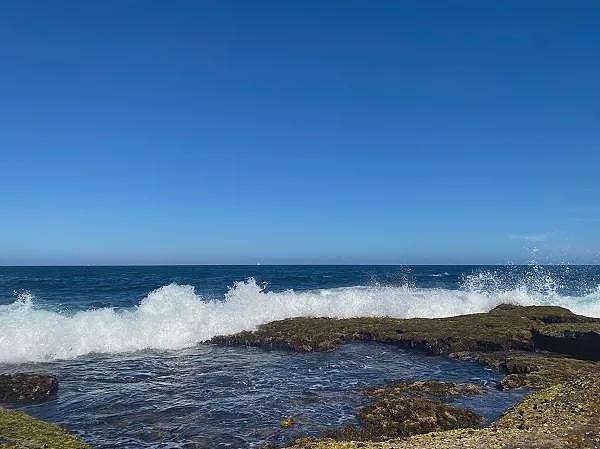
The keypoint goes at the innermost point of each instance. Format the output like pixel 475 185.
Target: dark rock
pixel 582 341
pixel 25 387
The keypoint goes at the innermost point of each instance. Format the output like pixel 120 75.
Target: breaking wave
pixel 174 316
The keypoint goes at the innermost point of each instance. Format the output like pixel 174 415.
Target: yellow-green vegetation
pixel 564 416
pixel 20 431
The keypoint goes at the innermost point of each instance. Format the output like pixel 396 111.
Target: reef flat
pixel 540 347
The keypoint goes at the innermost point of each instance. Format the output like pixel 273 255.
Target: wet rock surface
pixel 26 387
pixel 403 409
pixel 578 340
pixel 504 328
pixel 394 416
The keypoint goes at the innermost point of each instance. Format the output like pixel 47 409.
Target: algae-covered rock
pixel 20 431
pixel 425 387
pixel 504 328
pixel 395 417
pixel 26 387
pixel 543 372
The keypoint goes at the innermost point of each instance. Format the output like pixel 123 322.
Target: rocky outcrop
pixel 395 416
pixel 406 408
pixel 504 328
pixel 25 387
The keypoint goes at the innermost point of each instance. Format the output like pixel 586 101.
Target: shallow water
pixel 210 396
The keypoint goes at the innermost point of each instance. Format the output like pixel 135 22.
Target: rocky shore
pixel 19 430
pixel 545 348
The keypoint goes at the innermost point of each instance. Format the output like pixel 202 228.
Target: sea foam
pixel 174 316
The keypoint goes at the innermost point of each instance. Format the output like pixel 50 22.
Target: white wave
pixel 174 316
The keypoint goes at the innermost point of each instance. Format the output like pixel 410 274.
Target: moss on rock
pixel 20 431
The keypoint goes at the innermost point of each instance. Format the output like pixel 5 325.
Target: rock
pixel 404 409
pixel 427 387
pixel 25 387
pixel 543 372
pixel 394 417
pixel 504 328
pixel 581 340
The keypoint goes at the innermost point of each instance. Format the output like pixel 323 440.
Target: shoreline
pixel 522 342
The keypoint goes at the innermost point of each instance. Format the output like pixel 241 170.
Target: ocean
pixel 127 343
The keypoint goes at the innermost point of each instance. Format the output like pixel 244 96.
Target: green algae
pixel 20 431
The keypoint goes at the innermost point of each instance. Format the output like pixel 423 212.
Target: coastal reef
pixel 505 327
pixel 544 348
pixel 564 416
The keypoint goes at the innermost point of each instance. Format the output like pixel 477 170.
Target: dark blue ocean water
pixel 126 343
pixel 99 286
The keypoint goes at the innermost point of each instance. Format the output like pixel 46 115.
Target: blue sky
pixel 299 132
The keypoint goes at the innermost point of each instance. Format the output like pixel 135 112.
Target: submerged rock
pixel 25 387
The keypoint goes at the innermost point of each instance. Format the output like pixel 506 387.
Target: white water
pixel 174 317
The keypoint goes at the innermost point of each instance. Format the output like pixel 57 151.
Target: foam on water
pixel 174 316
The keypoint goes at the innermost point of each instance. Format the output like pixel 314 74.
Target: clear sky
pixel 136 131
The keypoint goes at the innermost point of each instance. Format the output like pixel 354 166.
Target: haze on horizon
pixel 137 132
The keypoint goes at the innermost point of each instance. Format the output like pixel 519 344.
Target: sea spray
pixel 174 316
